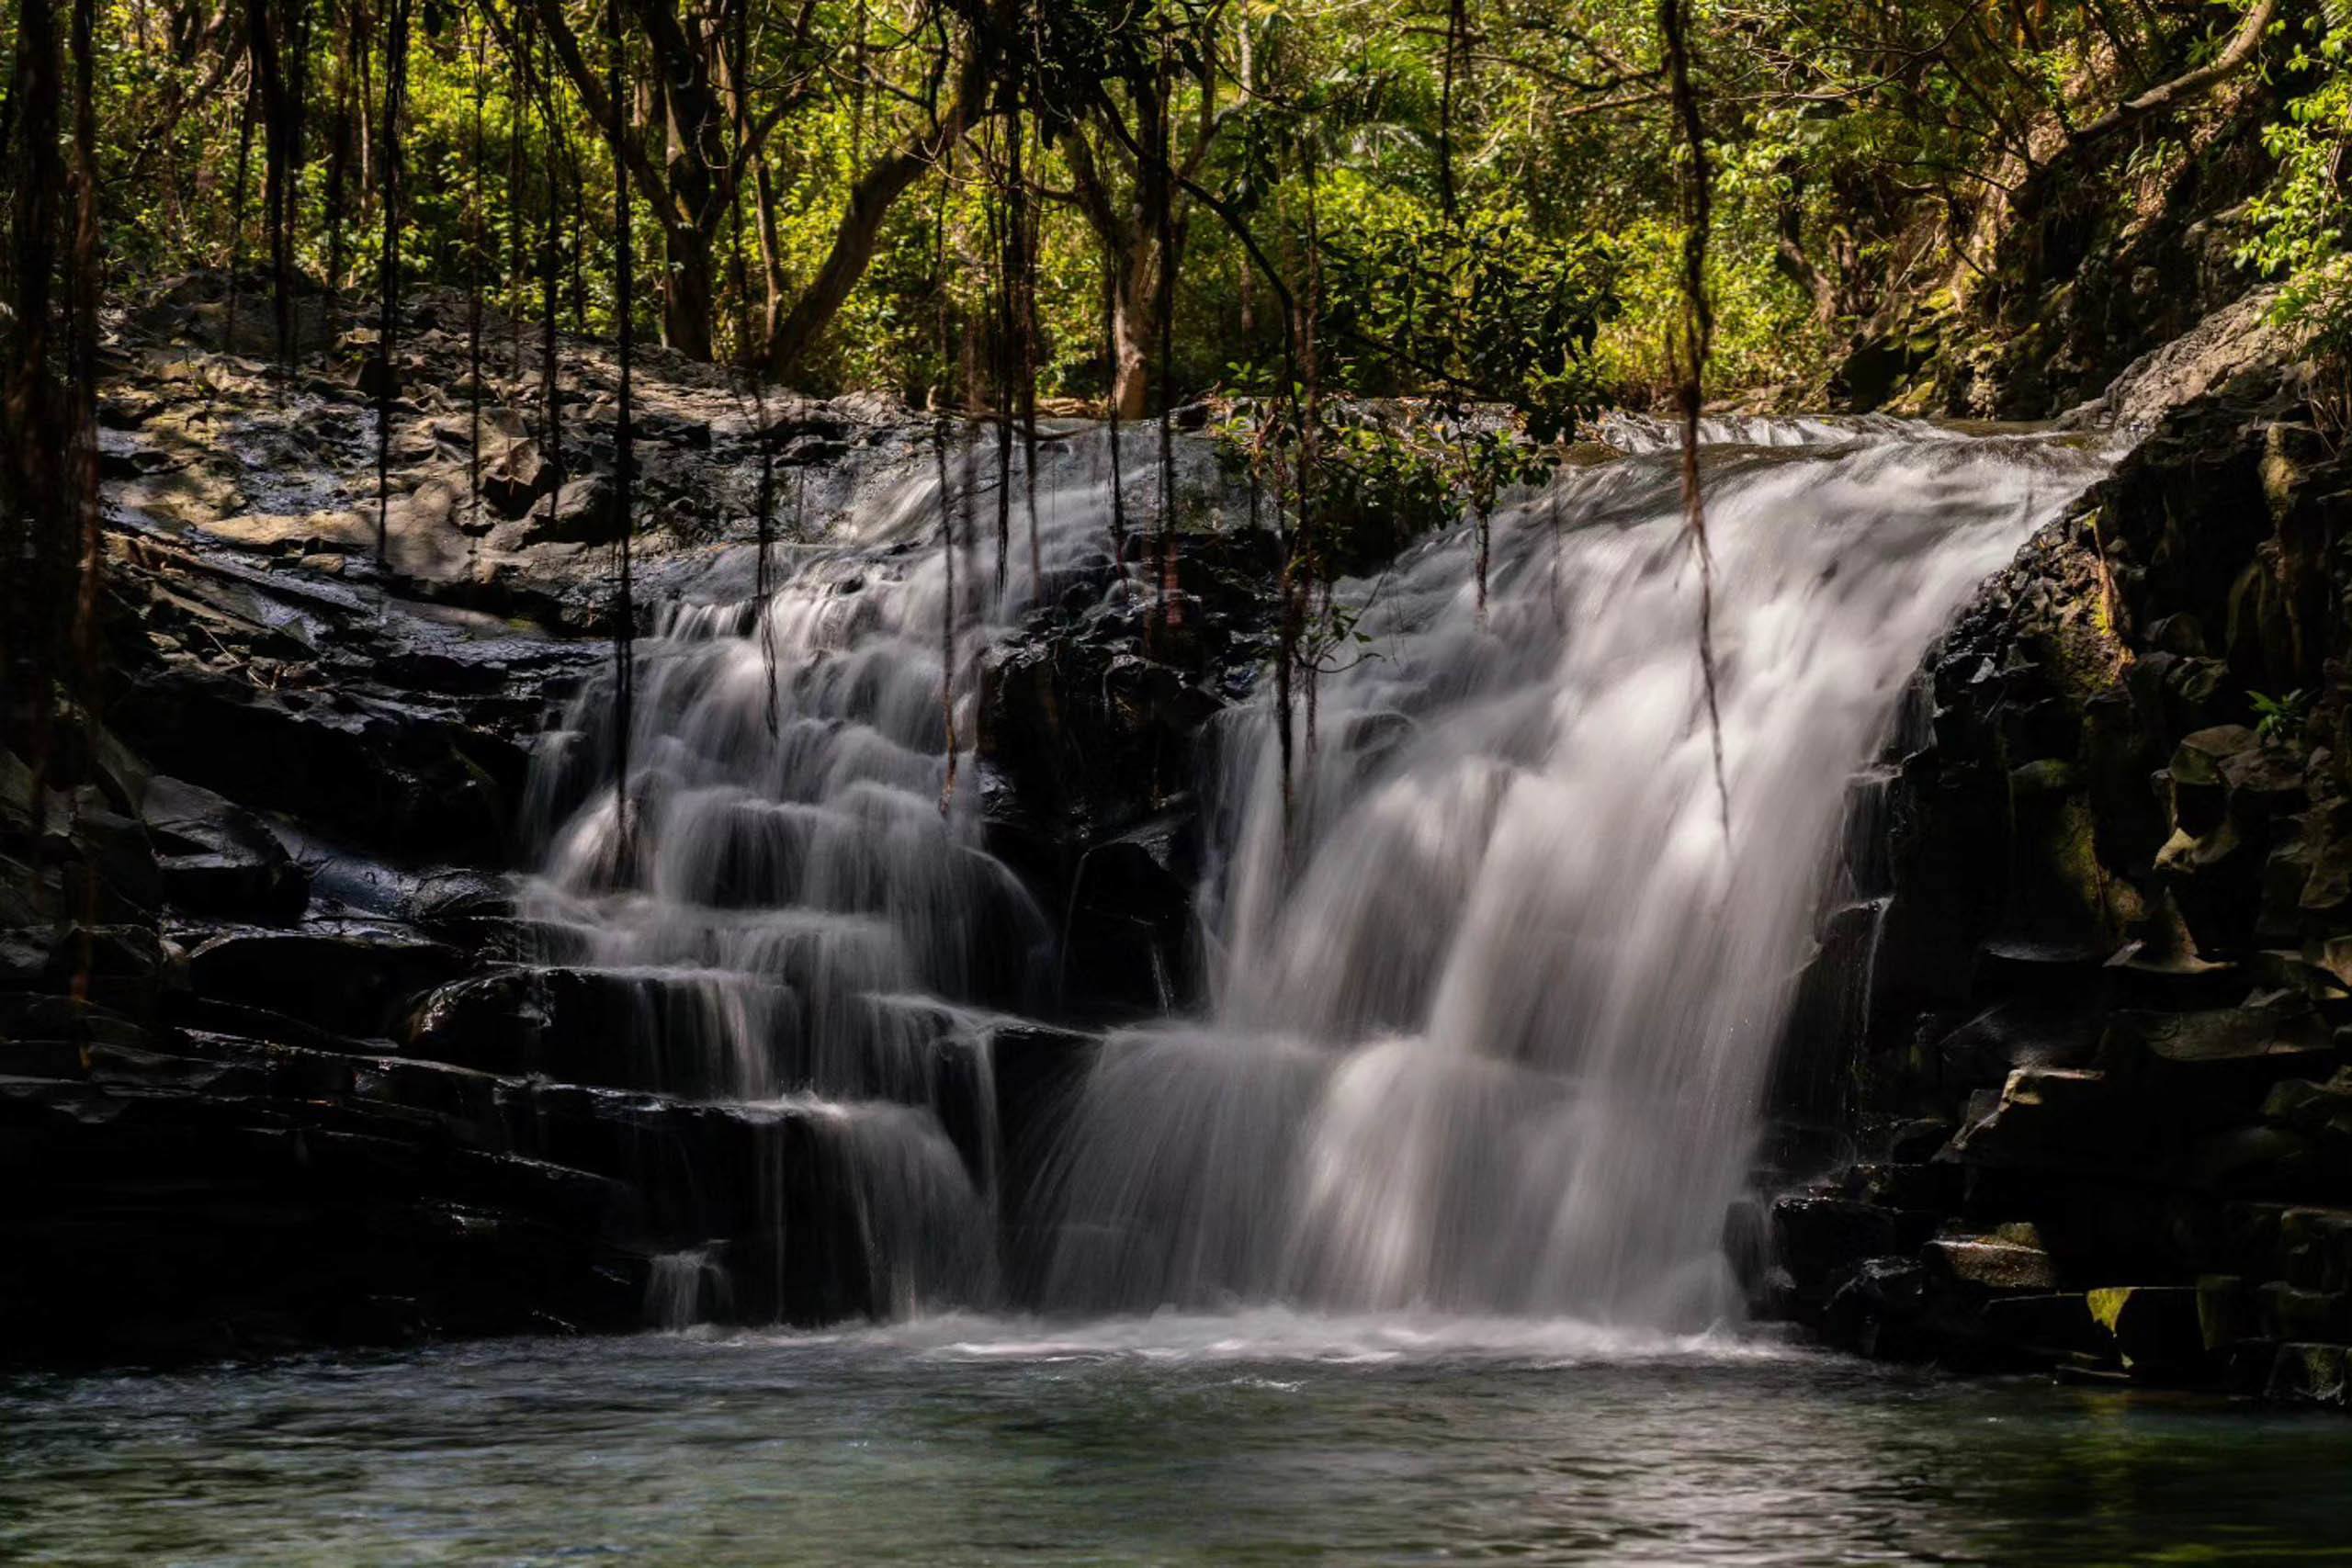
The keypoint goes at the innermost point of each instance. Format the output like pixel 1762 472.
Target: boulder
pixel 2247 1160
pixel 2315 1110
pixel 1820 1240
pixel 2053 1327
pixel 2157 1329
pixel 585 510
pixel 2011 1258
pixel 1125 951
pixel 2196 778
pixel 126 969
pixel 1876 1310
pixel 2312 1374
pixel 670 429
pixel 623 1029
pixel 216 858
pixel 2287 1313
pixel 2049 1117
pixel 1926 1188
pixel 351 978
pixel 2315 1247
pixel 514 478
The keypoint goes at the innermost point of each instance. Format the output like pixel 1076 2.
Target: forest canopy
pixel 1491 189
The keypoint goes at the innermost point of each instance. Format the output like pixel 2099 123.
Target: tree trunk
pixel 1126 225
pixel 29 413
pixel 690 116
pixel 339 169
pixel 771 244
pixel 869 203
pixel 854 245
pixel 687 304
pixel 1133 330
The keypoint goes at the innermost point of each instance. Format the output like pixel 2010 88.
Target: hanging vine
pixel 550 278
pixel 1304 554
pixel 1687 351
pixel 339 150
pixel 82 379
pixel 518 98
pixel 939 422
pixel 33 633
pixel 747 364
pixel 474 244
pixel 1457 45
pixel 277 43
pixel 624 439
pixel 1003 264
pixel 1163 193
pixel 1023 285
pixel 1111 408
pixel 389 277
pixel 237 214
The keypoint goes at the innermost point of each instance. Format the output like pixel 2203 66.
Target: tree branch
pixel 2234 58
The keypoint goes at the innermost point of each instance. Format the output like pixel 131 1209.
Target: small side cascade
pixel 687 1287
pixel 1829 1014
pixel 802 929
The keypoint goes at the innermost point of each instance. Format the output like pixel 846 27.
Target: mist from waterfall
pixel 1492 1004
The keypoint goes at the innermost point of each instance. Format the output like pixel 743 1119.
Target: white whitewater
pixel 1493 1004
pixel 802 922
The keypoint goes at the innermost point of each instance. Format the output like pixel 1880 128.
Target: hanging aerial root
pixel 1687 349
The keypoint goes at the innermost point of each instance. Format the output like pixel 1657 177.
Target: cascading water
pixel 1493 1001
pixel 1496 998
pixel 802 923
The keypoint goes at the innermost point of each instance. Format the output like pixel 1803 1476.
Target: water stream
pixel 1404 1245
pixel 1493 999
pixel 1496 1002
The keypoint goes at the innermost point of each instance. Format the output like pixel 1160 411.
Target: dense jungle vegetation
pixel 1477 194
pixel 1554 205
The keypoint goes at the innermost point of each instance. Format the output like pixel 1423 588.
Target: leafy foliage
pixel 1492 202
pixel 2280 719
pixel 2299 224
pixel 1486 308
pixel 1386 473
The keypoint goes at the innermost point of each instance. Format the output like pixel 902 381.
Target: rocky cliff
pixel 236 1084
pixel 281 1062
pixel 2082 1022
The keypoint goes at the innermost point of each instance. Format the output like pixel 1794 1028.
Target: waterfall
pixel 803 924
pixel 1493 1000
pixel 1496 997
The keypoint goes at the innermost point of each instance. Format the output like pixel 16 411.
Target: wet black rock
pixel 281 1060
pixel 2107 969
pixel 216 858
pixel 348 977
pixel 1094 723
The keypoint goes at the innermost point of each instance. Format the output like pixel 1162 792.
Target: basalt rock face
pixel 1094 731
pixel 2083 1024
pixel 228 1129
pixel 280 1062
